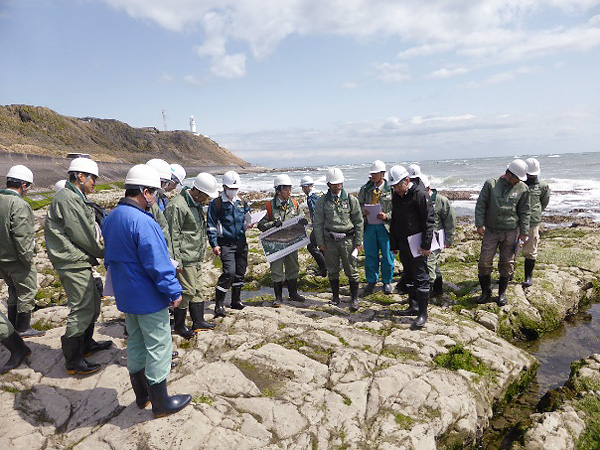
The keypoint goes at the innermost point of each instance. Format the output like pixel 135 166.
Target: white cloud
pixel 504 77
pixel 447 73
pixel 483 31
pixel 392 73
pixel 349 85
pixel 192 79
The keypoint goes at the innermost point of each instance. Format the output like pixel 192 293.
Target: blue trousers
pixel 377 240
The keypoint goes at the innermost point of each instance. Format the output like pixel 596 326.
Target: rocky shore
pixel 309 375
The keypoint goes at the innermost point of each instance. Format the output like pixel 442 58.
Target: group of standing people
pixel 153 249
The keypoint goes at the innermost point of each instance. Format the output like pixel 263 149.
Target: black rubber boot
pixel 502 285
pixel 220 303
pixel 162 404
pixel 12 315
pixel 75 363
pixel 292 286
pixel 236 301
pixel 140 388
pixel 353 296
pixel 180 328
pixel 437 287
pixel 413 304
pixel 335 290
pixel 485 281
pixel 90 345
pixel 278 289
pixel 18 352
pixel 197 315
pixel 320 259
pixel 368 289
pixel 423 302
pixel 529 265
pixel 24 326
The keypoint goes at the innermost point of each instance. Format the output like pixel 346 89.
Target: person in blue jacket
pixel 226 229
pixel 144 285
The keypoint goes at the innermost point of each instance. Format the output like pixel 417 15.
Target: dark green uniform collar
pixel 75 189
pixel 188 198
pixel 9 192
pixel 343 195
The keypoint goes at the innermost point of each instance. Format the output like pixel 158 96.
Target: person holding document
pixel 226 228
pixel 412 214
pixel 375 198
pixel 187 226
pixel 281 208
pixel 445 219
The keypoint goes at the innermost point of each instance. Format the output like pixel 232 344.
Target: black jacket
pixel 411 214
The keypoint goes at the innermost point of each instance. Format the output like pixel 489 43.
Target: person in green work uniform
pixel 14 344
pixel 18 249
pixel 74 242
pixel 338 227
pixel 157 210
pixel 281 208
pixel 502 218
pixel 187 226
pixel 445 219
pixel 539 196
pixel 377 235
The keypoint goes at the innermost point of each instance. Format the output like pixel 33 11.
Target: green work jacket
pixel 503 207
pixel 365 197
pixel 539 196
pixel 345 216
pixel 16 228
pixel 281 210
pixel 73 240
pixel 187 229
pixel 164 226
pixel 444 215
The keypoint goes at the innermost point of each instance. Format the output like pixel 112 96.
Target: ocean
pixel 574 179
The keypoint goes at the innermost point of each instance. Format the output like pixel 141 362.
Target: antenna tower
pixel 164 113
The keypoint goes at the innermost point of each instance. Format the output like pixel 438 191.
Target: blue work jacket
pixel 143 277
pixel 225 220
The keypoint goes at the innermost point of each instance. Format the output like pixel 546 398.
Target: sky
pixel 286 83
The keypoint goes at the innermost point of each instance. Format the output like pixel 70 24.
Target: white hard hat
pixel 232 180
pixel 206 183
pixel 60 185
pixel 377 166
pixel 414 171
pixel 162 167
pixel 533 166
pixel 425 180
pixel 282 180
pixel 397 174
pixel 20 172
pixel 143 175
pixel 518 167
pixel 178 172
pixel 334 176
pixel 306 180
pixel 84 165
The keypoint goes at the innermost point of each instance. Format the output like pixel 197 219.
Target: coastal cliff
pixel 36 130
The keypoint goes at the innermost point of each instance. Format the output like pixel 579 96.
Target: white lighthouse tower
pixel 193 125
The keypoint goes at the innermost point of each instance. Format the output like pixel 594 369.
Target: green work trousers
pixel 190 279
pixel 292 268
pixel 340 251
pixel 432 265
pixel 22 284
pixel 83 299
pixel 149 344
pixel 6 328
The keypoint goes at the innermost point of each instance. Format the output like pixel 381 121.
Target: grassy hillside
pixel 41 131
